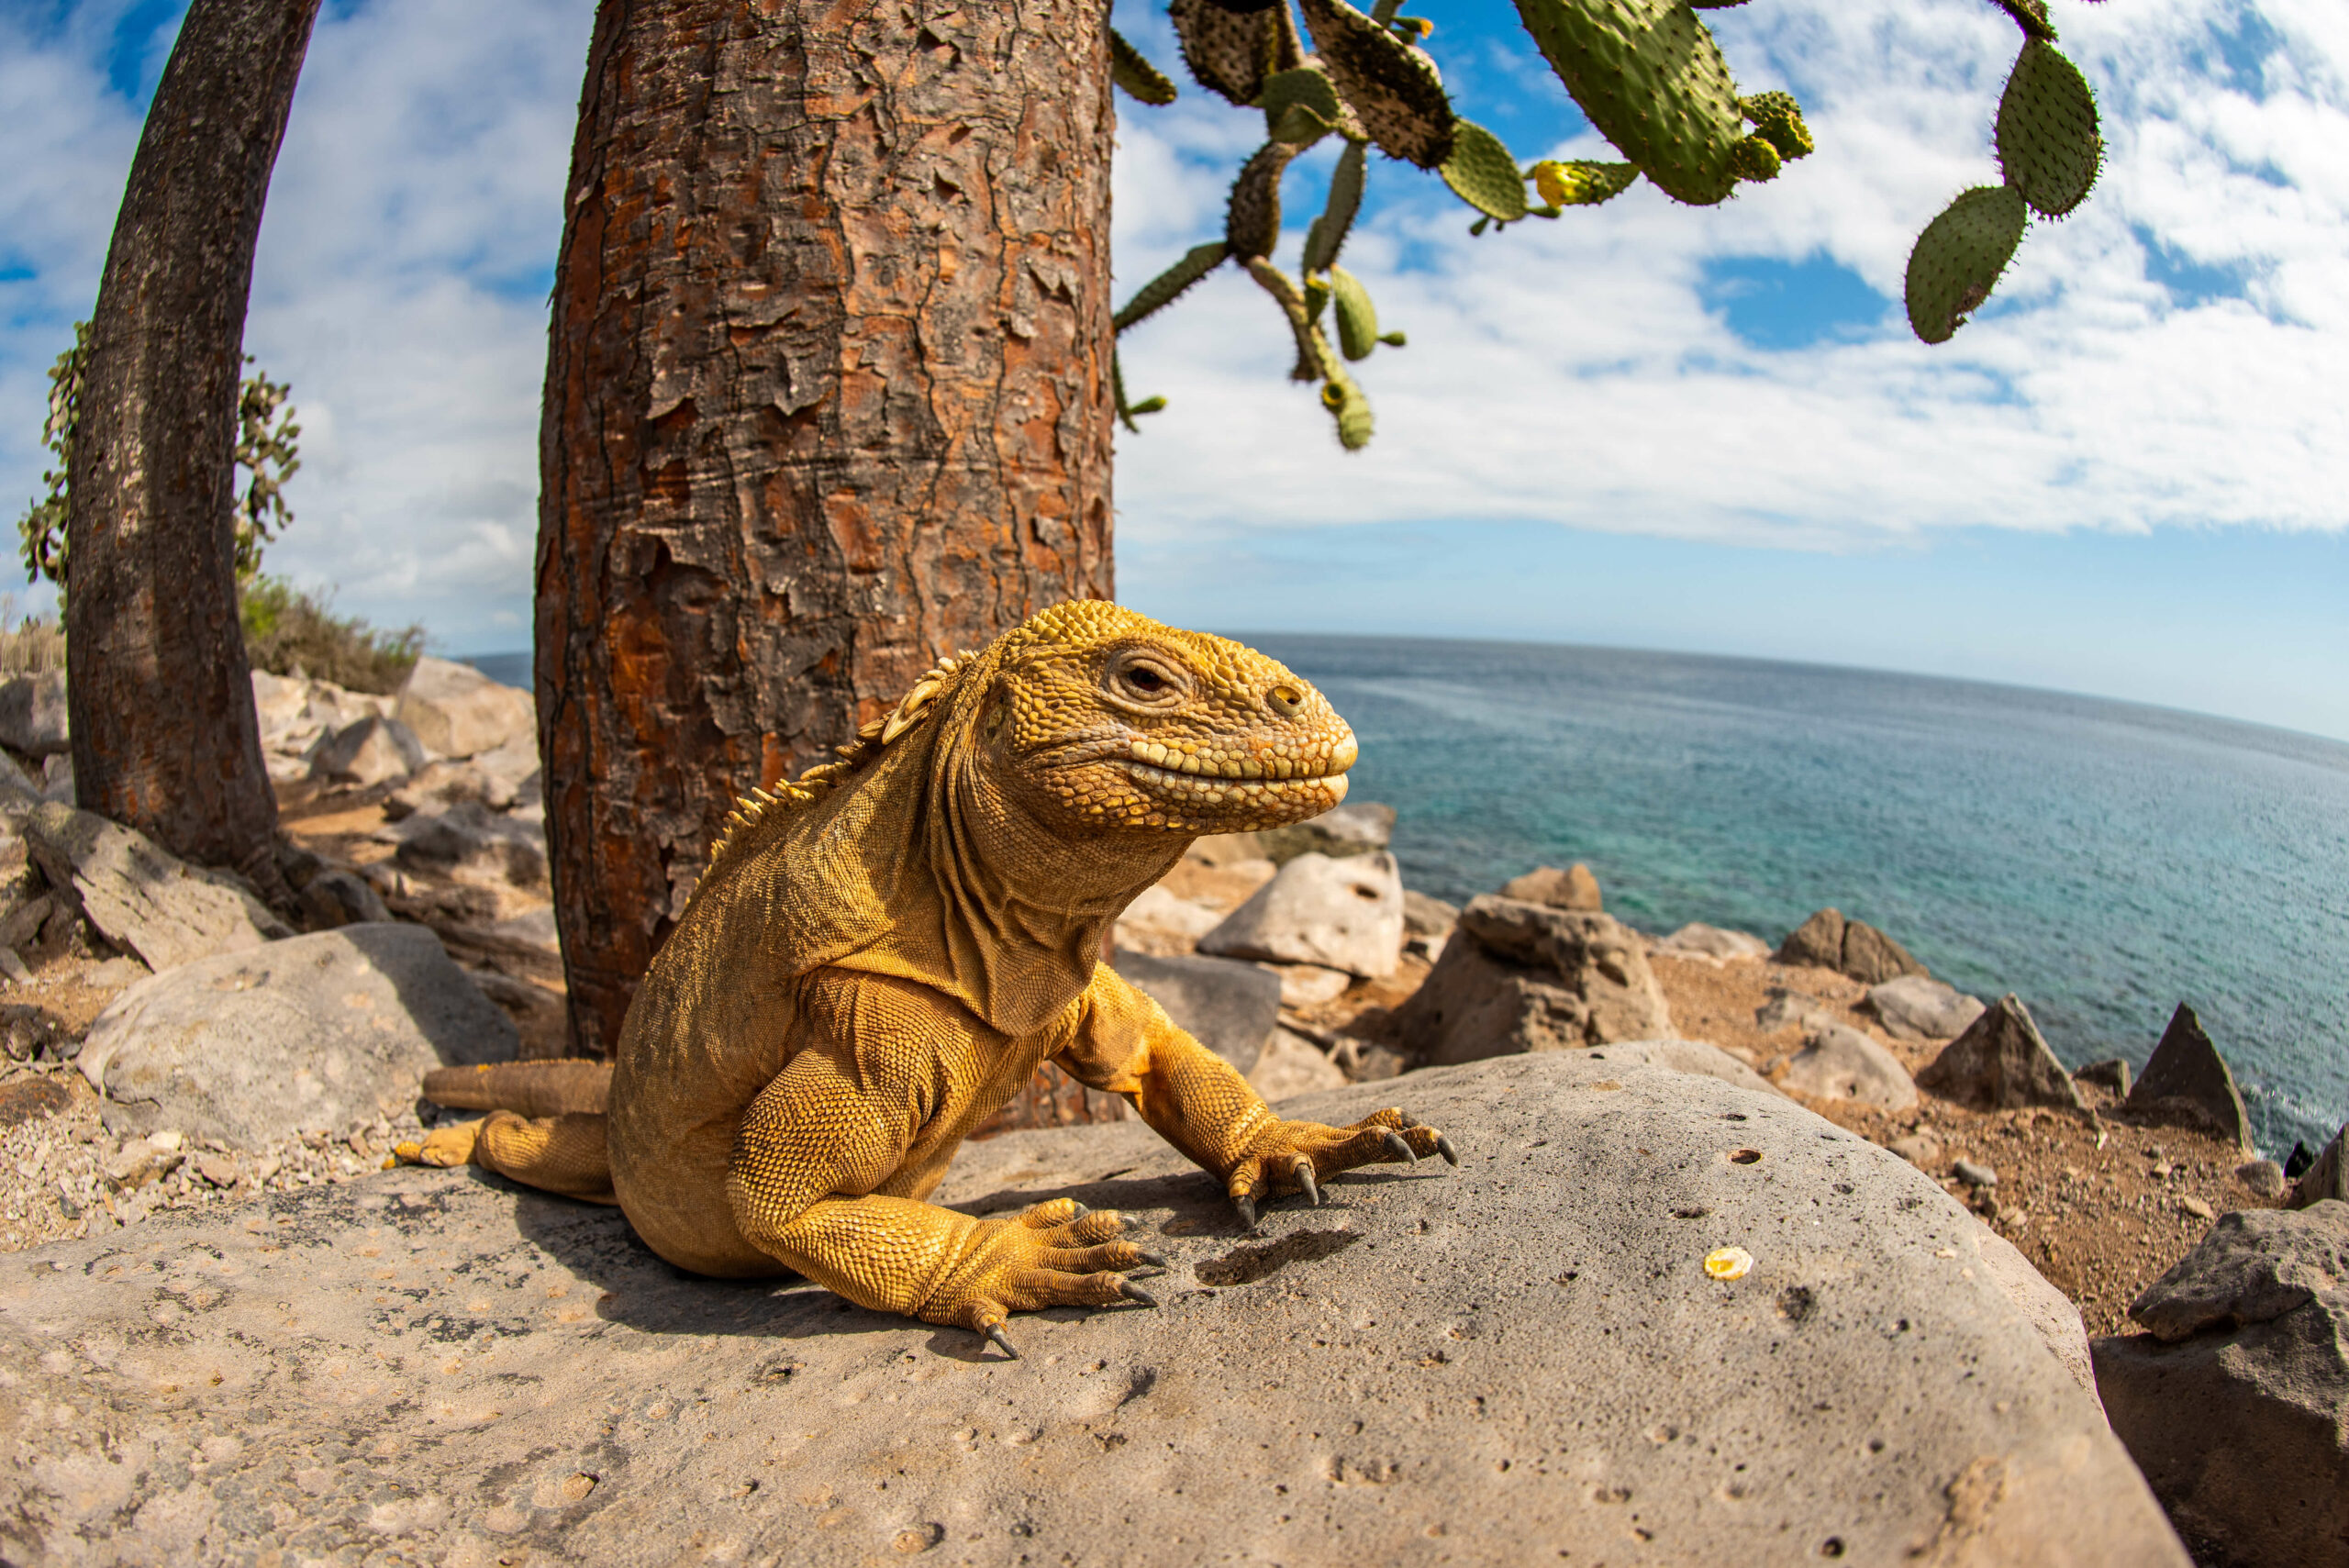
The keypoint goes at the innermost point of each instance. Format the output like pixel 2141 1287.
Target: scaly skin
pixel 881 954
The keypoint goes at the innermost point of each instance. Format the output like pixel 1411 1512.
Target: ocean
pixel 2102 859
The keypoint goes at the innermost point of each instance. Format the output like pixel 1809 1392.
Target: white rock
pixel 1345 914
pixel 1309 985
pixel 1840 1063
pixel 458 711
pixel 1917 1007
pixel 142 898
pixel 368 753
pixel 1291 1064
pixel 1712 941
pixel 1159 922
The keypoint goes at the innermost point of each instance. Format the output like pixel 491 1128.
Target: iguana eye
pixel 1146 681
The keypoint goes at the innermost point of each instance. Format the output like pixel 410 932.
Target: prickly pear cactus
pixel 1959 257
pixel 2048 146
pixel 1651 78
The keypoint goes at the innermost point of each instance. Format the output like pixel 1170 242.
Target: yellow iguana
pixel 879 955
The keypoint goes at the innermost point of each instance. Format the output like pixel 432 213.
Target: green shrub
pixel 289 631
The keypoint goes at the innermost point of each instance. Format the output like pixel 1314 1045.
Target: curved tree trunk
pixel 827 397
pixel 160 697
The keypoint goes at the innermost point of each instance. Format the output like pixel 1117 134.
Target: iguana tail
pixel 528 1088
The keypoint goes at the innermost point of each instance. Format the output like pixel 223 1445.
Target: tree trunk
pixel 827 397
pixel 160 697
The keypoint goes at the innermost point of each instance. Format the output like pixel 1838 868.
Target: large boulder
pixel 1527 1356
pixel 142 898
pixel 2000 1062
pixel 1831 940
pixel 1573 888
pixel 2327 1175
pixel 2236 1404
pixel 1526 977
pixel 1228 1006
pixel 1837 1062
pixel 457 711
pixel 1702 1058
pixel 32 713
pixel 315 1032
pixel 368 751
pixel 1918 1007
pixel 1159 922
pixel 2188 1077
pixel 1341 913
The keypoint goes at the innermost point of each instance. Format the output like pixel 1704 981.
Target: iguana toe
pixel 1247 1208
pixel 1133 1292
pixel 443 1146
pixel 1399 1148
pixel 1002 1342
pixel 1304 1169
pixel 1444 1147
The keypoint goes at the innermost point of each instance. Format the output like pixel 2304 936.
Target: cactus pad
pixel 1228 53
pixel 1650 77
pixel 1357 317
pixel 1328 232
pixel 1777 119
pixel 1391 87
pixel 1482 173
pixel 1579 181
pixel 1131 70
pixel 1251 224
pixel 1167 287
pixel 1302 106
pixel 1959 257
pixel 2048 146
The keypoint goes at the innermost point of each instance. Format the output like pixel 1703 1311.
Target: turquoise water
pixel 2104 861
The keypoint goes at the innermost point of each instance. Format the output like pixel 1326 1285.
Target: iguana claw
pixel 1305 1179
pixel 1151 1260
pixel 1133 1292
pixel 1247 1208
pixel 1400 1147
pixel 1444 1147
pixel 1002 1342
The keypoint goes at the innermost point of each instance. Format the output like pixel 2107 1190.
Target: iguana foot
pixel 1056 1253
pixel 1294 1156
pixel 443 1146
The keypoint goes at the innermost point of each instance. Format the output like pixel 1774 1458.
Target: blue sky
pixel 1646 424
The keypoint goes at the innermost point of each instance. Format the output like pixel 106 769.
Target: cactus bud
pixel 1392 339
pixel 1958 258
pixel 1482 173
pixel 1581 183
pixel 1755 159
pixel 2048 146
pixel 1357 317
pixel 1777 119
pixel 1316 295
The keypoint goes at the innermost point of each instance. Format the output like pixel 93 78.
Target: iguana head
pixel 1105 722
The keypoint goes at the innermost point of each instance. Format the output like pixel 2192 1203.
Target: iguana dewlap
pixel 878 956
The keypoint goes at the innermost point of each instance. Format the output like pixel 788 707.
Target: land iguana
pixel 879 955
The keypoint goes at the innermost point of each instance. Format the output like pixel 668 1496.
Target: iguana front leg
pixel 822 1145
pixel 1197 1101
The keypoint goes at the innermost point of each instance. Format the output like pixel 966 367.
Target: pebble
pixel 2264 1177
pixel 1975 1175
pixel 2196 1208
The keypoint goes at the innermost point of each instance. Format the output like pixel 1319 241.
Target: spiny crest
pixel 818 779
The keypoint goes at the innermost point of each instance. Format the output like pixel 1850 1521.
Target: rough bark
pixel 827 398
pixel 164 736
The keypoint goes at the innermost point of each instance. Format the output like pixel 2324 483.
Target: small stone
pixel 2196 1208
pixel 14 967
pixel 1307 984
pixel 1921 1150
pixel 217 1169
pixel 2113 1073
pixel 576 1486
pixel 1574 888
pixel 1967 1171
pixel 2162 1169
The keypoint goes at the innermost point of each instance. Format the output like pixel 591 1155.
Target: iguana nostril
pixel 1287 701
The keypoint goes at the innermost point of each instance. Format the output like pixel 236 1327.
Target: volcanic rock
pixel 1712 941
pixel 1357 828
pixel 142 898
pixel 1574 888
pixel 1521 977
pixel 1840 1064
pixel 1341 913
pixel 2187 1075
pixel 1918 1007
pixel 33 714
pixel 457 711
pixel 2000 1062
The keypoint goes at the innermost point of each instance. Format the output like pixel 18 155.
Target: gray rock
pixel 469 836
pixel 1974 1175
pixel 1712 941
pixel 337 897
pixel 1229 1008
pixel 1309 985
pixel 2000 1062
pixel 1426 916
pixel 2187 1076
pixel 57 779
pixel 2262 1178
pixel 2327 1177
pixel 140 898
pixel 535 1380
pixel 436 786
pixel 1920 1149
pixel 1159 922
pixel 1341 913
pixel 1574 888
pixel 314 1032
pixel 33 714
pixel 2050 1310
pixel 1840 1064
pixel 1918 1007
pixel 458 711
pixel 1786 1007
pixel 1701 1058
pixel 2111 1073
pixel 1357 828
pixel 367 752
pixel 1829 940
pixel 1526 977
pixel 1293 1066
pixel 2236 1407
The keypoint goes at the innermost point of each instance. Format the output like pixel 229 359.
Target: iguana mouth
pixel 1197 790
pixel 1284 760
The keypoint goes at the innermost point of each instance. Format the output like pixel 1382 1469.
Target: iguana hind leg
pixel 563 1154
